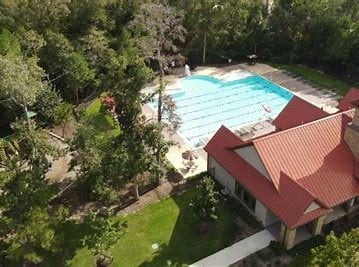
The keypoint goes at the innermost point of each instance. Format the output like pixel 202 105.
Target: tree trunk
pixel 77 96
pixel 159 103
pixel 27 116
pixel 63 129
pixel 204 48
pixel 103 261
pixel 135 191
pixel 158 159
pixel 159 110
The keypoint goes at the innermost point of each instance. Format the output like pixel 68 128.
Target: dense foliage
pixel 29 224
pixel 80 47
pixel 204 204
pixel 56 56
pixel 338 251
pixel 320 32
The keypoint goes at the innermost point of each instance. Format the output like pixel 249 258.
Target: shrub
pixel 278 262
pixel 304 247
pixel 198 177
pixel 277 247
pixel 204 203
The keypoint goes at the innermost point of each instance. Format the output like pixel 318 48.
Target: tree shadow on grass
pixel 76 233
pixel 186 245
pixel 73 235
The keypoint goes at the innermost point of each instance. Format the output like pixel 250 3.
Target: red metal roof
pixel 289 204
pixel 310 216
pixel 307 163
pixel 356 168
pixel 345 103
pixel 316 156
pixel 297 112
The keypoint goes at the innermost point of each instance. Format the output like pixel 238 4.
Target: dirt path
pixel 162 191
pixel 59 172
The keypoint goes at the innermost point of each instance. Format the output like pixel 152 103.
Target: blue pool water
pixel 204 103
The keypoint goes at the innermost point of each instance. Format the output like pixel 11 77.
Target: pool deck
pixel 321 97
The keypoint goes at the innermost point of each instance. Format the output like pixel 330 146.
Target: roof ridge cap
pixel 308 102
pixel 331 116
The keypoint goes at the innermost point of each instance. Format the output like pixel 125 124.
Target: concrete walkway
pixel 237 251
pixel 321 97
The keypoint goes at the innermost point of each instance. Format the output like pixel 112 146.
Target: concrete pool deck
pixel 321 97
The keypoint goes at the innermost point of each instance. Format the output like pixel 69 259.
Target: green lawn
pixel 96 114
pixel 316 77
pixel 168 223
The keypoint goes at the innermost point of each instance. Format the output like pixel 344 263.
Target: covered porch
pixel 291 237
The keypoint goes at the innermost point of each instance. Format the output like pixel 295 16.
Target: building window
pixel 245 196
pixel 238 190
pixel 249 200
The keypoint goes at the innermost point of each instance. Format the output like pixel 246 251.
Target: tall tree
pixel 36 15
pixel 143 144
pixel 34 147
pixel 125 78
pixel 218 30
pixel 63 115
pixel 205 13
pixel 204 203
pixel 103 234
pixel 101 162
pixel 29 226
pixel 46 106
pixel 79 75
pixel 161 30
pixel 97 49
pixel 53 58
pixel 21 81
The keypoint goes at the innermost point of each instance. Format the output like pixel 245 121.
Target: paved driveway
pixel 237 251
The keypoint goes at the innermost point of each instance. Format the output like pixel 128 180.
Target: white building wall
pixel 221 175
pixel 260 212
pixel 265 216
pixel 250 154
pixel 226 180
pixel 271 218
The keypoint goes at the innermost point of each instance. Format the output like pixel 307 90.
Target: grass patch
pixel 316 77
pixel 168 223
pixel 96 115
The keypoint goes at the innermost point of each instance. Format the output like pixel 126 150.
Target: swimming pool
pixel 204 103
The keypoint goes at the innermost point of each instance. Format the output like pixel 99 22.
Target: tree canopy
pixel 56 56
pixel 338 251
